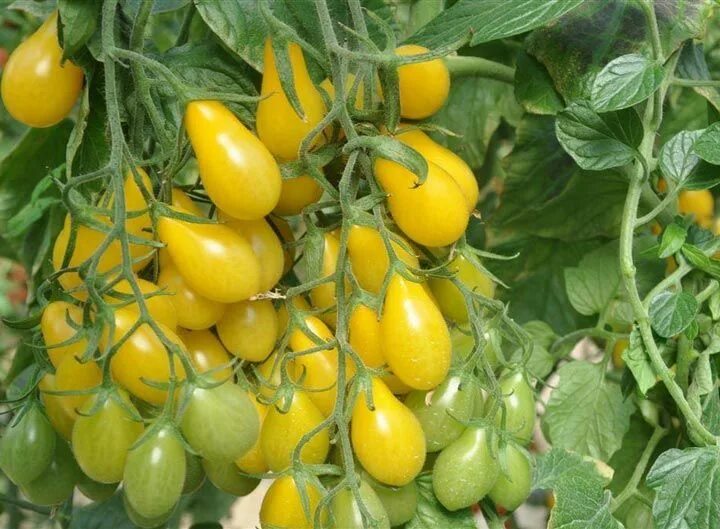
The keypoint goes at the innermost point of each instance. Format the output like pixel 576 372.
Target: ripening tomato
pixel 72 375
pixel 282 506
pixel 196 248
pixel 38 88
pixel 269 370
pixel 180 199
pixel 193 311
pixel 285 232
pixel 296 194
pixel 56 329
pixel 237 170
pixel 220 423
pixel 228 478
pixel 433 213
pixel 60 417
pixel 414 336
pixel 473 454
pixel 28 446
pixel 155 472
pixel 267 248
pixel 143 522
pixel 364 336
pixel 448 296
pixel 142 357
pixel 519 403
pixel 700 204
pixel 253 461
pixel 424 86
pixel 278 125
pixel 194 473
pixel 159 304
pixel 387 440
pixel 56 483
pixel 347 513
pixel 323 296
pixel 512 487
pixel 138 221
pixel 445 158
pixel 207 353
pixel 369 258
pixel 281 433
pixel 320 368
pixel 618 350
pixel 444 411
pixel 102 436
pixel 97 492
pixel 249 329
pixel 400 503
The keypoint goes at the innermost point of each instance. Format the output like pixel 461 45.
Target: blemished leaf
pixel 486 20
pixel 578 488
pixel 33 7
pixel 586 413
pixel 624 82
pixel 592 284
pixel 430 514
pixel 597 141
pixel 677 159
pixel 637 360
pixel 671 312
pixel 534 87
pixel 707 146
pixel 672 240
pixel 79 20
pixel 687 486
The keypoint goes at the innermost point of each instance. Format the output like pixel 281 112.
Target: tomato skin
pixel 281 432
pixel 472 453
pixel 323 296
pixel 639 516
pixel 155 473
pixel 400 503
pixel 220 423
pixel 519 401
pixel 443 411
pixel 267 248
pixel 249 329
pixel 160 306
pixel 388 441
pixel 193 311
pixel 60 418
pixel 196 248
pixel 414 336
pixel 228 478
pixel 282 506
pixel 448 296
pixel 27 448
pixel 180 199
pixel 296 194
pixel 445 158
pixel 194 473
pixel 287 237
pixel 444 213
pixel 72 375
pixel 434 78
pixel 56 483
pixel 278 126
pixel 346 510
pixel 101 441
pixel 142 357
pixel 37 88
pixel 207 353
pixel 269 370
pixel 56 329
pixel 141 521
pixel 369 259
pixel 253 461
pixel 512 488
pixel 618 350
pixel 699 203
pixel 320 368
pixel 238 171
pixel 364 336
pixel 97 492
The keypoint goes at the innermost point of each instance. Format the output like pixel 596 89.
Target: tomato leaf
pixel 707 146
pixel 486 20
pixel 78 20
pixel 624 460
pixel 431 515
pixel 597 141
pixel 592 284
pixel 587 413
pixel 687 485
pixel 672 240
pixel 671 312
pixel 692 65
pixel 677 159
pixel 637 360
pixel 534 87
pixel 624 82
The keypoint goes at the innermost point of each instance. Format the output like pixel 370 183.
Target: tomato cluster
pixel 193 360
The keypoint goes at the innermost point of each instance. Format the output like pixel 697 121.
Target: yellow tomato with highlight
pixel 700 204
pixel 249 329
pixel 297 193
pixel 159 305
pixel 424 86
pixel 448 296
pixel 282 506
pixel 267 248
pixel 56 324
pixel 193 311
pixel 323 296
pixel 207 354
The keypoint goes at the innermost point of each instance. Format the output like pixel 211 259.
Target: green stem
pixel 639 471
pixel 685 358
pixel 23 504
pixel 649 8
pixel 595 332
pixel 462 66
pixel 697 83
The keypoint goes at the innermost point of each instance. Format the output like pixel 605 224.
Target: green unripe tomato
pixel 519 401
pixel 400 502
pixel 56 483
pixel 227 477
pixel 347 513
pixel 27 447
pixel 194 473
pixel 512 487
pixel 95 490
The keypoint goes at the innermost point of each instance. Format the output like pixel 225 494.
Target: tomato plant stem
pixel 697 83
pixel 479 67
